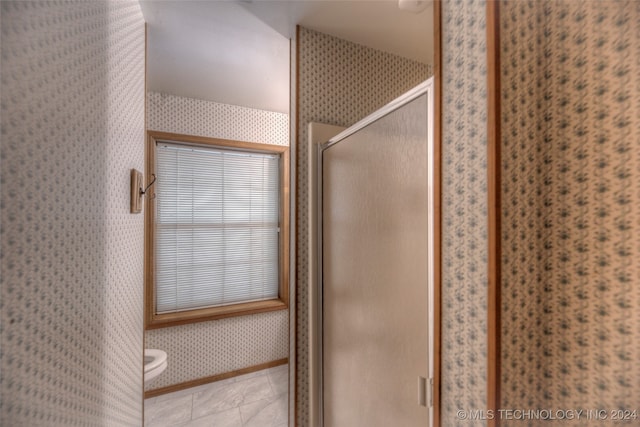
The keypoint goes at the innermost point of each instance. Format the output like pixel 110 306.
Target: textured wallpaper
pixel 464 211
pixel 188 116
pixel 339 83
pixel 72 122
pixel 523 224
pixel 204 349
pixel 571 217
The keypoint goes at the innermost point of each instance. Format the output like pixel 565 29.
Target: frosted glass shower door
pixel 375 293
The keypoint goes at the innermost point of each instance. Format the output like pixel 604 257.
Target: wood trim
pixel 153 320
pixel 203 140
pixel 146 52
pixel 297 226
pixel 204 314
pixel 494 202
pixel 146 126
pixel 213 378
pixel 285 180
pixel 149 224
pixel 437 209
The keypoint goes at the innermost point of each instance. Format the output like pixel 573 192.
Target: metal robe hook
pixel 143 192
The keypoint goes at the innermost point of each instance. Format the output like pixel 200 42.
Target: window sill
pixel 156 321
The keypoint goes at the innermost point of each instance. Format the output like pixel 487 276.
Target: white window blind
pixel 216 227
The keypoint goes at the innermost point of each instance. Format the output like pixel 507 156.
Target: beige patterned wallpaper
pixel 464 211
pixel 72 125
pixel 339 83
pixel 170 113
pixel 523 224
pixel 204 349
pixel 571 222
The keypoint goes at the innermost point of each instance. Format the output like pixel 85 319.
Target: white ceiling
pixel 237 52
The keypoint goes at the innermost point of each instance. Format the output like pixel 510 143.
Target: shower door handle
pixel 425 392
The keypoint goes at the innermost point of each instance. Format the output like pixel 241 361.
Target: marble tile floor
pixel 258 399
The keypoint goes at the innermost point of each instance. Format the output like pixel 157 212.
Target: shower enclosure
pixel 375 204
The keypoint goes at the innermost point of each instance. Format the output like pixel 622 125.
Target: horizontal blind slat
pixel 217 227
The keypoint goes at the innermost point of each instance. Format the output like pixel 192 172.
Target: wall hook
pixel 137 192
pixel 143 192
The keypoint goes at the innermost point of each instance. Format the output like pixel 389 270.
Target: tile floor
pixel 258 399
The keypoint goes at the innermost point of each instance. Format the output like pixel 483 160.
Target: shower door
pixel 375 284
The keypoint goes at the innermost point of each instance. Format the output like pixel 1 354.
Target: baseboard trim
pixel 213 378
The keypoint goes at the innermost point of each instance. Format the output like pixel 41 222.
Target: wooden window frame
pixel 154 320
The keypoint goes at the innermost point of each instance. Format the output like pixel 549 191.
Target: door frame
pixel 433 173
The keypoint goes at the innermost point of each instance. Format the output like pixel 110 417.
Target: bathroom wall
pixel 72 125
pixel 523 223
pixel 571 205
pixel 170 113
pixel 339 83
pixel 200 350
pixel 464 211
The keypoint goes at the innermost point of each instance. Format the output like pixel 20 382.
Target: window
pixel 216 229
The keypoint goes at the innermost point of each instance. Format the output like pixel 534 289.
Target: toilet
pixel 155 362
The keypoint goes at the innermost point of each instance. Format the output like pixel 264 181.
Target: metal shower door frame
pixel 424 88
